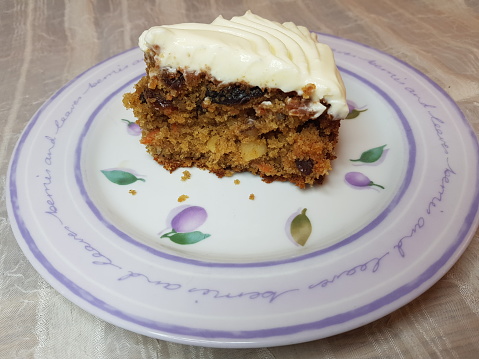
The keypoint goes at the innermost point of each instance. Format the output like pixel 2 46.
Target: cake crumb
pixel 186 175
pixel 237 181
pixel 251 196
pixel 132 192
pixel 183 198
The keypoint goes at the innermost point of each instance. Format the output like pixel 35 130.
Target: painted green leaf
pixel 185 238
pixel 121 177
pixel 354 113
pixel 371 155
pixel 301 228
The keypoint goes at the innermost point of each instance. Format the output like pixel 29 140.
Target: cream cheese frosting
pixel 257 51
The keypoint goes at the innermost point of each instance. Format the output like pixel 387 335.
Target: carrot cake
pixel 240 95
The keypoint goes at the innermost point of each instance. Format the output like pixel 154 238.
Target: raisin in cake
pixel 238 95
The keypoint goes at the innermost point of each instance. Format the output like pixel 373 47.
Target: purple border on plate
pixel 370 226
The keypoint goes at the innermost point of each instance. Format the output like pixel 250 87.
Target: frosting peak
pixel 255 50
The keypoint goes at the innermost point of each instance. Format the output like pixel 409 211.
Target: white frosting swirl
pixel 255 50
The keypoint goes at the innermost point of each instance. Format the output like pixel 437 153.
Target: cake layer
pixel 191 119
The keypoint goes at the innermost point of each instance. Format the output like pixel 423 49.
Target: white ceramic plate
pixel 103 223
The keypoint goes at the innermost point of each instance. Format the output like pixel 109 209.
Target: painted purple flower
pixel 184 225
pixel 189 219
pixel 351 105
pixel 132 128
pixel 358 179
pixel 353 110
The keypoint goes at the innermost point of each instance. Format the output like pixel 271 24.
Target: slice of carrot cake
pixel 238 95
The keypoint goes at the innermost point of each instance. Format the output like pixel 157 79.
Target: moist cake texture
pixel 240 95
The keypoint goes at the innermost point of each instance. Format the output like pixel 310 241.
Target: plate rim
pixel 462 239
